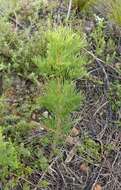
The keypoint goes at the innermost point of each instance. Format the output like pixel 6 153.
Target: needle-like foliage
pixel 60 99
pixel 64 55
pixel 64 61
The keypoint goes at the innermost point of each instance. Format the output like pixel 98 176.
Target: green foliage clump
pixel 99 37
pixel 8 157
pixel 63 56
pixel 60 98
pixel 7 7
pixel 44 184
pixel 17 49
pixel 22 130
pixel 25 11
pixel 23 55
pixel 8 42
pixel 41 162
pixel 103 48
pixel 90 150
pixel 115 96
pixel 114 11
pixel 3 108
pixel 84 4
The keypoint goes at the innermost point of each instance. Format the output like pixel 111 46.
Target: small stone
pixel 70 140
pixel 45 114
pixel 75 132
pixel 84 168
pixel 118 65
pixel 97 187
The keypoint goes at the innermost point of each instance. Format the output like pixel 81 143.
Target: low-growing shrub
pixel 17 49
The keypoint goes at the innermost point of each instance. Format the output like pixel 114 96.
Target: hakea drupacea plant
pixel 64 62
